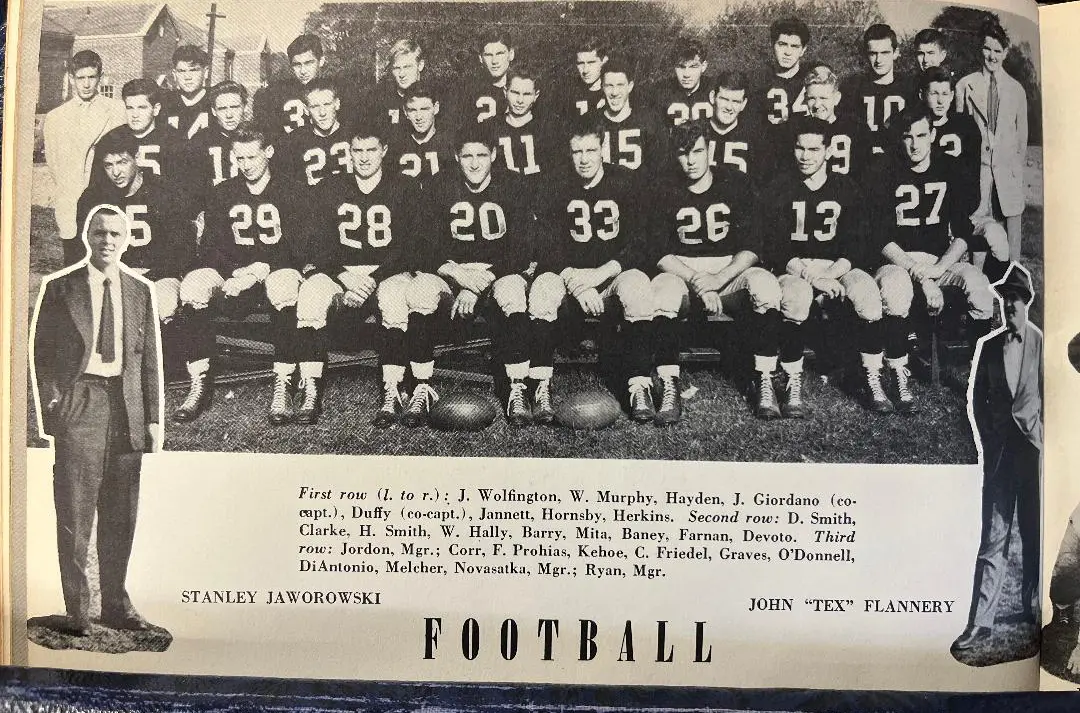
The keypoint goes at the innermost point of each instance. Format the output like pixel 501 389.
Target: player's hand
pixel 235 285
pixel 464 304
pixel 363 286
pixel 704 282
pixel 935 300
pixel 713 305
pixel 590 301
pixel 475 281
pixel 576 281
pixel 934 272
pixel 831 287
pixel 919 272
pixel 353 299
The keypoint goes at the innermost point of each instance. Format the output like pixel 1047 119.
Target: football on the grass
pixel 462 412
pixel 588 409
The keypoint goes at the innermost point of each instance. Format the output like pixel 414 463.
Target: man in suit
pixel 70 132
pixel 1007 405
pixel 98 389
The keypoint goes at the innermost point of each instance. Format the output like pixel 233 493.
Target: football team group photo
pixel 762 232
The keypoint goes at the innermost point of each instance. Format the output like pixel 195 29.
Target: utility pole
pixel 213 15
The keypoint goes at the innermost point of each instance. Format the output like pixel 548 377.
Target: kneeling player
pixel 707 265
pixel 597 229
pixel 244 256
pixel 481 246
pixel 366 225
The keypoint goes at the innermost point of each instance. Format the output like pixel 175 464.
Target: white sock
pixel 423 371
pixel 198 367
pixel 668 371
pixel 283 369
pixel 765 364
pixel 541 373
pixel 898 363
pixel 311 369
pixel 639 381
pixel 792 367
pixel 517 372
pixel 872 361
pixel 393 374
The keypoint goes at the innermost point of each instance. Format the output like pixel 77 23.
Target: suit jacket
pixel 996 408
pixel 63 333
pixel 1004 152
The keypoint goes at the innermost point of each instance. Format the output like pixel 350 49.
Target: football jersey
pixel 716 223
pixel 873 104
pixel 636 143
pixel 677 106
pixel 354 228
pixel 778 98
pixel 209 161
pixel 960 138
pixel 385 103
pixel 849 149
pixel 481 101
pixel 530 150
pixel 744 146
pixel 308 157
pixel 160 150
pixel 576 99
pixel 186 119
pixel 420 160
pixel 823 224
pixel 162 238
pixel 243 228
pixel 280 108
pixel 494 226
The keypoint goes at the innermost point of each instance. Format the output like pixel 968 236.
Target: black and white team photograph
pixel 743 231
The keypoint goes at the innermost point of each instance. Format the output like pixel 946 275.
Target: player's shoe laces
pixel 517 410
pixel 308 411
pixel 279 404
pixel 542 409
pixel 393 401
pixel 197 399
pixel 875 391
pixel 641 403
pixel 670 410
pixel 905 400
pixel 793 404
pixel 423 398
pixel 766 397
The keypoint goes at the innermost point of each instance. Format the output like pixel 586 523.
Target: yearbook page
pixel 651 343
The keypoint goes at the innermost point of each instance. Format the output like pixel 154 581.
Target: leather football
pixel 588 410
pixel 462 412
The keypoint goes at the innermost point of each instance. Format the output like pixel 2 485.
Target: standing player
pixel 584 94
pixel 484 98
pixel 366 231
pixel 187 109
pixel 780 94
pixel 405 68
pixel 687 97
pixel 849 144
pixel 707 266
pixel 957 134
pixel 733 138
pixel 632 134
pixel 252 222
pixel 591 258
pixel 930 49
pixel 321 148
pixel 525 140
pixel 879 94
pixel 280 108
pixel 481 243
pixel 420 146
pixel 210 153
pixel 159 145
pixel 923 219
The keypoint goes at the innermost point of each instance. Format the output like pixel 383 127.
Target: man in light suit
pixel 1006 401
pixel 98 389
pixel 998 103
pixel 70 131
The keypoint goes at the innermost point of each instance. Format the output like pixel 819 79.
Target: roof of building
pixel 95 19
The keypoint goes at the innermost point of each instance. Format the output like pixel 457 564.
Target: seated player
pixel 420 147
pixel 880 93
pixel 850 143
pixel 710 244
pixel 244 256
pixel 685 97
pixel 930 50
pixel 187 109
pixel 321 148
pixel 815 230
pixel 365 233
pixel 480 234
pixel 209 154
pixel 524 138
pixel 404 69
pixel 159 145
pixel 484 97
pixel 589 257
pixel 633 134
pixel 922 218
pixel 583 94
pixel 780 93
pixel 734 138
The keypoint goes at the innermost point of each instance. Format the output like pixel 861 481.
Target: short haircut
pixel 324 85
pixel 822 74
pixel 904 120
pixel 685 135
pixel 142 87
pixel 421 90
pixel 495 34
pixel 85 58
pixel 305 43
pixel 929 36
pixel 228 87
pixel 732 80
pixel 116 143
pixel 992 28
pixel 619 65
pixel 790 26
pixel 247 133
pixel 878 31
pixel 586 125
pixel 474 134
pixel 592 44
pixel 936 74
pixel 369 129
pixel 802 124
pixel 190 54
pixel 523 71
pixel 406 45
pixel 686 49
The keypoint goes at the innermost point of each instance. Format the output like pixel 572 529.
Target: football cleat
pixel 875 392
pixel 670 410
pixel 766 398
pixel 393 402
pixel 423 398
pixel 517 409
pixel 280 408
pixel 198 398
pixel 793 403
pixel 542 409
pixel 905 400
pixel 308 410
pixel 642 409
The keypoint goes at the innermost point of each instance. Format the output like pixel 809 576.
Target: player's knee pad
pixel 509 292
pixel 426 292
pixel 167 292
pixel 997 238
pixel 763 289
pixel 547 293
pixel 863 294
pixel 796 296
pixel 896 289
pixel 634 290
pixel 392 298
pixel 283 288
pixel 199 286
pixel 314 299
pixel 669 293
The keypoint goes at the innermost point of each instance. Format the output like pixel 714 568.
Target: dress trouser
pixel 96 471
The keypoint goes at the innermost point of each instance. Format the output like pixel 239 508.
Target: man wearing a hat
pixel 1008 411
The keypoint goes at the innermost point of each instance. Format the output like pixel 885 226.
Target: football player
pixel 930 48
pixel 321 148
pixel 710 244
pixel 480 233
pixel 686 96
pixel 420 146
pixel 160 146
pixel 210 153
pixel 780 94
pixel 734 138
pixel 366 229
pixel 817 243
pixel 591 258
pixel 280 108
pixel 484 98
pixel 633 134
pixel 923 221
pixel 524 138
pixel 245 255
pixel 877 95
pixel 848 147
pixel 584 93
pixel 405 68
pixel 187 109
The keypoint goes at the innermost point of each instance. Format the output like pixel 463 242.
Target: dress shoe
pixel 125 620
pixel 74 626
pixel 973 636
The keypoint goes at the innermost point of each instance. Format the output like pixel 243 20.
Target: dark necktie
pixel 106 345
pixel 993 104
